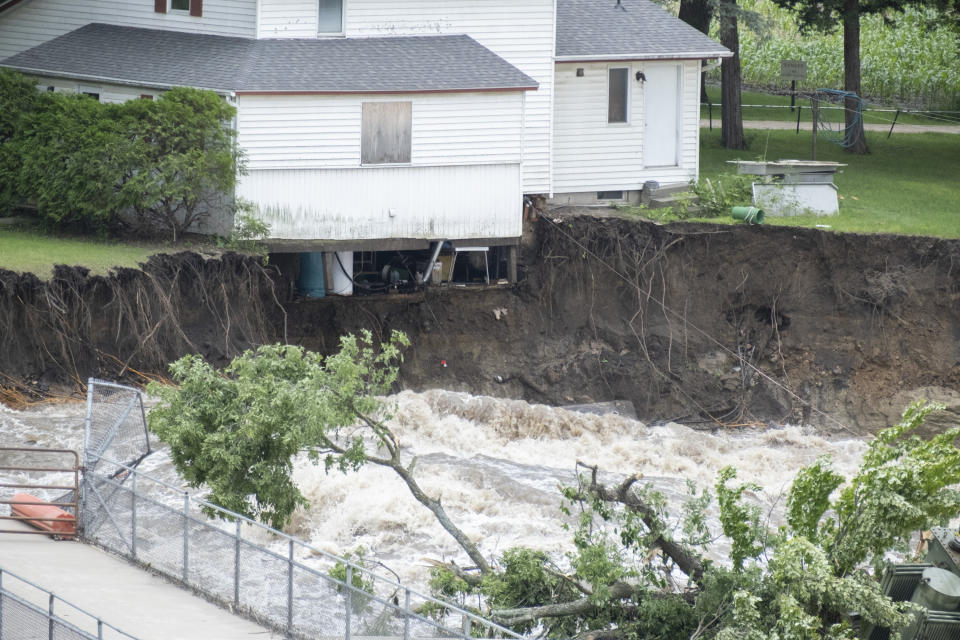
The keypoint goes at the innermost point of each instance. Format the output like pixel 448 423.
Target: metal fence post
pixel 406 614
pixel 236 567
pixel 290 589
pixel 99 629
pixel 50 617
pixel 186 538
pixel 349 600
pixel 133 513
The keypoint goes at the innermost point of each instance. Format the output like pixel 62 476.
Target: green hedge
pixel 160 165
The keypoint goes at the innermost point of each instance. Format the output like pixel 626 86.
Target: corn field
pixel 907 59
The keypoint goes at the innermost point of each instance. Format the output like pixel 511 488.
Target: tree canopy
pixel 634 570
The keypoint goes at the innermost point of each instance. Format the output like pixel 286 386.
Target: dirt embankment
pixel 705 324
pixel 848 326
pixel 131 324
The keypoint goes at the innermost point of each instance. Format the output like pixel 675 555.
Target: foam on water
pixel 496 465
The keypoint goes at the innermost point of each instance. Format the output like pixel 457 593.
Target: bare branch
pixel 572 608
pixel 464 573
pixel 685 560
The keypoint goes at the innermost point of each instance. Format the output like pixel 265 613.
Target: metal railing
pixel 22 618
pixel 64 526
pixel 251 568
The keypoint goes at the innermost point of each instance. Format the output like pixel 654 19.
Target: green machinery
pixel 934 584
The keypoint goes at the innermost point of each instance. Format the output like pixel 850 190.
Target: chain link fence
pixel 30 612
pixel 271 577
pixel 115 426
pixel 276 579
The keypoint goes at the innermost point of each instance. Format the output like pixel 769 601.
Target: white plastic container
pixel 343 273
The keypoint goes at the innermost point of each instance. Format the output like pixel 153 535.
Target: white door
pixel 661 97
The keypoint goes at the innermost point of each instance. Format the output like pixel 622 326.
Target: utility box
pixel 795 187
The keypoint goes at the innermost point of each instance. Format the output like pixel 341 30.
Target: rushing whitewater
pixel 497 466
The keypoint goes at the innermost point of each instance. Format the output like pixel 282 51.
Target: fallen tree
pixel 634 571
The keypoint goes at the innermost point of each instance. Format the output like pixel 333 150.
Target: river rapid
pixel 497 466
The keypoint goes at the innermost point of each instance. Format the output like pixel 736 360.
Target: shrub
pixel 164 165
pixel 718 195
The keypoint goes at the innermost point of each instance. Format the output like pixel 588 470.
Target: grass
pixel 27 250
pixel 778 109
pixel 906 185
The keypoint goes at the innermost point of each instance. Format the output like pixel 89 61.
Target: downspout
pixel 433 260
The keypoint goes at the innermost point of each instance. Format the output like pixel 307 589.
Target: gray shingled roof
pixel 149 57
pixel 630 29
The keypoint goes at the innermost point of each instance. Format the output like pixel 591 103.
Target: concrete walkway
pixel 806 126
pixel 129 598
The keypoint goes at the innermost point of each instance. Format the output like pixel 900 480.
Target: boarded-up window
pixel 386 132
pixel 618 92
pixel 330 19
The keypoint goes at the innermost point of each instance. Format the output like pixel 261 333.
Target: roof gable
pixel 158 58
pixel 627 30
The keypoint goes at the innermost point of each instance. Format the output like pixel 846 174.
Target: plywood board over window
pixel 386 132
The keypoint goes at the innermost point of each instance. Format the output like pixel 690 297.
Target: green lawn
pixel 32 251
pixel 776 110
pixel 909 184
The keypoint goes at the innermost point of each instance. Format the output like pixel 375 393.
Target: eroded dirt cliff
pixel 840 331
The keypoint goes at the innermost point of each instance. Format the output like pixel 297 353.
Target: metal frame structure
pixel 73 490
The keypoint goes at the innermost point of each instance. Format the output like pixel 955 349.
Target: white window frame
pixel 170 8
pixel 628 97
pixel 343 22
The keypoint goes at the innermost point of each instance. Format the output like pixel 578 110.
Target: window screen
pixel 386 132
pixel 180 5
pixel 609 195
pixel 331 16
pixel 617 103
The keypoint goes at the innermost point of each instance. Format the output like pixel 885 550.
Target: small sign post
pixel 793 70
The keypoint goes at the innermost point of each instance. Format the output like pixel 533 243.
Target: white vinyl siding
pixel 288 19
pixel 324 131
pixel 521 32
pixel 432 203
pixel 591 155
pixel 108 92
pixel 307 181
pixel 37 21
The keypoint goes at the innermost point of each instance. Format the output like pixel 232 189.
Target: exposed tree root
pixel 134 322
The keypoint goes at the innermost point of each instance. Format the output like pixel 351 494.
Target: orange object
pixel 42 515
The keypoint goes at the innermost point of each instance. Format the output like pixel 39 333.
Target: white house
pixel 394 124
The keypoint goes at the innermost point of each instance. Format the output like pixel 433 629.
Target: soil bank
pixel 707 324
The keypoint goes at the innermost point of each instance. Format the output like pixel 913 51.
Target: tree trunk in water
pixel 856 140
pixel 731 129
pixel 697 14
